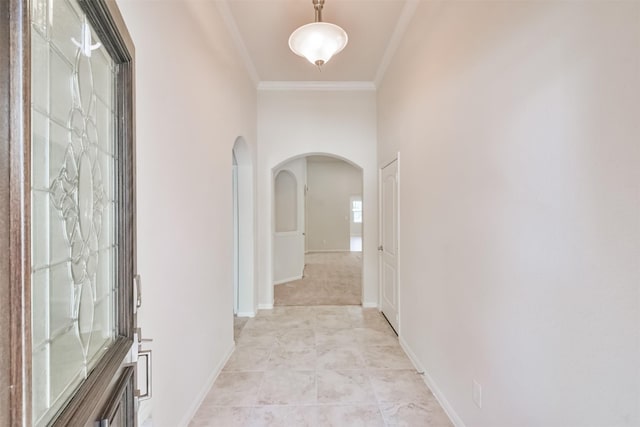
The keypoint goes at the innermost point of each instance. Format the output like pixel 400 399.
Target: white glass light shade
pixel 318 41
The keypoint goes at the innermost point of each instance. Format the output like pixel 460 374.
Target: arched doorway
pixel 314 259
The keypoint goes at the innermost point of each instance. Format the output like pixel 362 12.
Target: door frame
pixel 236 233
pixel 92 397
pixel 245 254
pixel 12 128
pixel 382 165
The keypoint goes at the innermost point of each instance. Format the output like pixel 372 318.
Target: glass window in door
pixel 73 203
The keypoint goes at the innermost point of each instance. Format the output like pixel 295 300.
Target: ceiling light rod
pixel 317 6
pixel 318 41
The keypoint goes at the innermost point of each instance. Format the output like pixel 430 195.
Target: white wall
pixel 294 123
pixel 288 247
pixel 518 127
pixel 286 201
pixel 331 184
pixel 193 100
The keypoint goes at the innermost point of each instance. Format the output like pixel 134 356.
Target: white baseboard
pixel 369 304
pixel 265 306
pixel 327 250
pixel 290 279
pixel 448 409
pixel 207 387
pixel 246 314
pixel 411 354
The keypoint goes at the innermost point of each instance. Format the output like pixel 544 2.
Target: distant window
pixel 356 210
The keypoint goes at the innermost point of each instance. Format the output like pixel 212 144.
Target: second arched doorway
pixel 317 260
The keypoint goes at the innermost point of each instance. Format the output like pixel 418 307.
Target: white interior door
pixel 389 242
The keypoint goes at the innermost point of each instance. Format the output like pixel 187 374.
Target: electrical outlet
pixel 477 394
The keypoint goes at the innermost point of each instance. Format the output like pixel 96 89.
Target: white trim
pixel 309 85
pixel 207 387
pixel 398 238
pixel 246 216
pixel 246 314
pixel 406 15
pixel 444 403
pixel 378 252
pixel 412 356
pixel 327 250
pixel 290 279
pixel 431 384
pixel 370 304
pixel 236 235
pixel 230 22
pixel 265 306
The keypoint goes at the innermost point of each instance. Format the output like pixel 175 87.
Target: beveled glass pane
pixel 104 127
pixel 106 170
pixel 103 75
pixel 60 84
pixel 58 145
pixel 40 368
pixel 66 28
pixel 40 307
pixel 73 234
pixel 61 303
pixel 59 243
pixel 104 277
pixel 102 321
pixel 39 16
pixel 67 367
pixel 40 151
pixel 40 72
pixel 84 88
pixel 40 228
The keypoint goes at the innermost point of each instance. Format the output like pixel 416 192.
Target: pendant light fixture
pixel 318 41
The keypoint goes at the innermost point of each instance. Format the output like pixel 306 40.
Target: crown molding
pixel 319 86
pixel 406 15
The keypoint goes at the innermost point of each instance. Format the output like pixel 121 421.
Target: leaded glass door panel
pixel 71 74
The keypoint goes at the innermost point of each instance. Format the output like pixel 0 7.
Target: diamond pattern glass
pixel 73 236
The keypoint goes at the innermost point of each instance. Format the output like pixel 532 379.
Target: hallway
pixel 319 366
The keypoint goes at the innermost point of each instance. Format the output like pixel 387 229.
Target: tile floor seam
pixel 384 419
pixel 379 402
pixel 257 401
pixel 316 376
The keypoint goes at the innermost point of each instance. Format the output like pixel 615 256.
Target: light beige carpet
pixel 330 278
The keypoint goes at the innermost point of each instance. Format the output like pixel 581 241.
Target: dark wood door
pixel 67 214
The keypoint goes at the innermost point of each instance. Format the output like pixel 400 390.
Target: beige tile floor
pixel 319 366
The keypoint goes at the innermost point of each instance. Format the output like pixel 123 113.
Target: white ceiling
pixel 261 29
